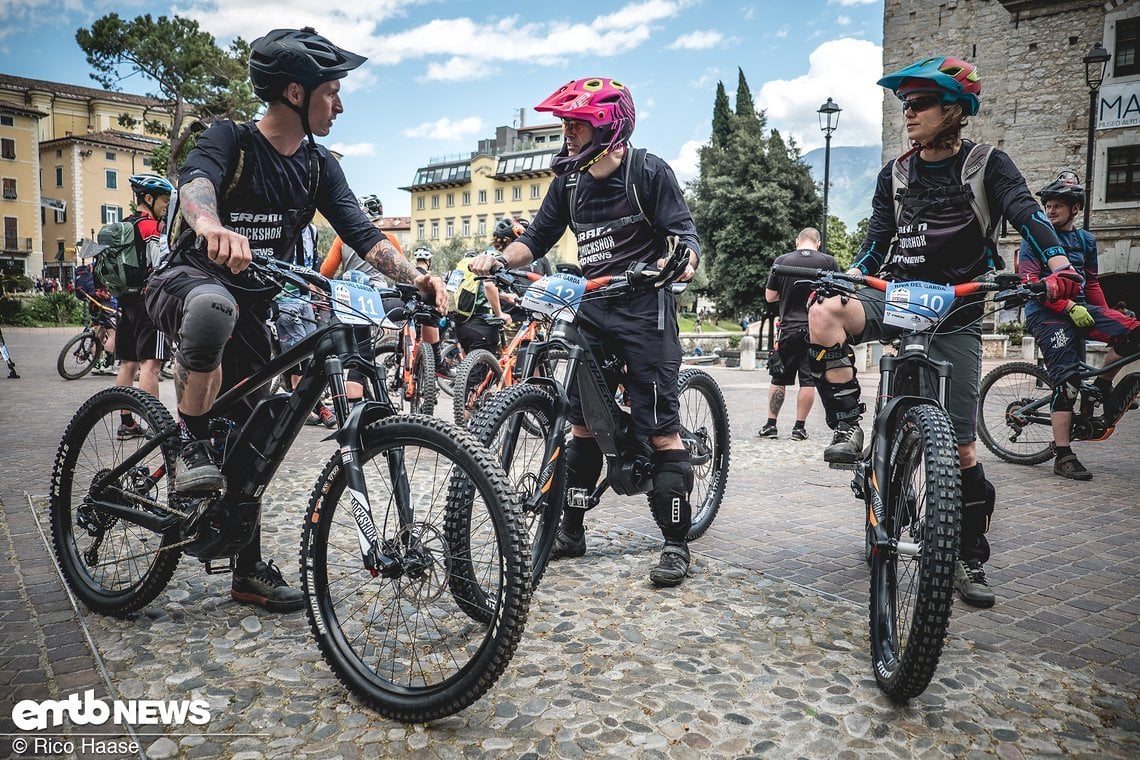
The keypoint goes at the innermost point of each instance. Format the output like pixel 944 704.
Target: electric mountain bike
pixel 908 477
pixel 413 566
pixel 1014 420
pixel 526 425
pixel 408 362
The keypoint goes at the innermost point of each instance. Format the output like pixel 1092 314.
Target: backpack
pixel 122 264
pixel 463 290
pixel 972 190
pixel 635 188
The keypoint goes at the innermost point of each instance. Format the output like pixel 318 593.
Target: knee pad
pixel 978 499
pixel 583 463
pixel 823 358
pixel 669 499
pixel 1065 394
pixel 209 314
pixel 1128 344
pixel 840 400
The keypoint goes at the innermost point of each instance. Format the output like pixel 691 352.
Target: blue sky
pixel 444 73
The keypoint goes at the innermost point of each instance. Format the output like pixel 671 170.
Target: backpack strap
pixel 973 176
pixel 636 186
pixel 900 181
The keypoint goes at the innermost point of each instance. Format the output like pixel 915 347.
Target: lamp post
pixel 828 121
pixel 1095 64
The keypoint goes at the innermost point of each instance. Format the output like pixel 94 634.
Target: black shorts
pixel 137 338
pixel 641 330
pixel 477 333
pixel 791 358
pixel 250 345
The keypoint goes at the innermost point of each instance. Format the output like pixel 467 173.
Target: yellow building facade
pixel 20 199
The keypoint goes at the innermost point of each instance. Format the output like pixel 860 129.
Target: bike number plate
pixel 917 305
pixel 356 304
pixel 555 295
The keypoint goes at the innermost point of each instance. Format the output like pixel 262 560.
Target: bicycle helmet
pixel 296 55
pixel 372 207
pixel 955 80
pixel 605 104
pixel 566 267
pixel 1066 187
pixel 150 183
pixel 423 253
pixel 508 229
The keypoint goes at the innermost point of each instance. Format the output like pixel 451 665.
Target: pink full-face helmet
pixel 604 104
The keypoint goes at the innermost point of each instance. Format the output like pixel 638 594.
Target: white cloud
pixel 687 163
pixel 845 70
pixel 851 2
pixel 697 40
pixel 457 69
pixel 843 20
pixel 445 129
pixel 354 149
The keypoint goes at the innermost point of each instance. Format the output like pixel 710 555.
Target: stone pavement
pixel 761 652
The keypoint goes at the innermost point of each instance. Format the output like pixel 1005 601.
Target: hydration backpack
pixel 463 290
pixel 122 264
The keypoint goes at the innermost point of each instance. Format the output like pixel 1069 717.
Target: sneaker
pixel 799 434
pixel 1068 466
pixel 195 471
pixel 127 432
pixel 846 445
pixel 768 431
pixel 266 588
pixel 326 417
pixel 313 419
pixel 567 545
pixel 672 567
pixel 970 580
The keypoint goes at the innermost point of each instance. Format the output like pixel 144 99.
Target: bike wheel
pixel 476 381
pixel 113 565
pixel 1005 424
pixel 420 640
pixel 515 426
pixel 78 355
pixel 451 354
pixel 423 368
pixel 912 581
pixel 705 433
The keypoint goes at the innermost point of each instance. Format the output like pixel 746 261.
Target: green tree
pixel 722 117
pixel 193 77
pixel 839 242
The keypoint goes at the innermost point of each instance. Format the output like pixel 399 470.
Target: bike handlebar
pixel 1007 287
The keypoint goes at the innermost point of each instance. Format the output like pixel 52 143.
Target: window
pixel 465 227
pixel 466 197
pixel 482 197
pixel 435 201
pixel 450 200
pixel 8 148
pixel 449 230
pixel 482 226
pixel 420 203
pixel 146 162
pixel 420 229
pixel 7 121
pixel 1123 174
pixel 11 233
pixel 535 190
pixel 498 195
pixel 109 155
pixel 60 216
pixel 59 250
pixel 59 153
pixel 434 230
pixel 59 176
pixel 111 214
pixel 516 193
pixel 9 189
pixel 1125 60
pixel 112 180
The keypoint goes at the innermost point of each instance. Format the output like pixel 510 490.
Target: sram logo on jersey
pixel 248 218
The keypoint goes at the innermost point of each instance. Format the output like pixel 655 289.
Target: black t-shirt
pixel 609 241
pixel 794 291
pixel 273 190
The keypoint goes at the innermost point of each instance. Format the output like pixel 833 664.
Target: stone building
pixel 1036 103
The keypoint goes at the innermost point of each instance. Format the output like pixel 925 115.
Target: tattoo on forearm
pixel 198 202
pixel 391 262
pixel 776 400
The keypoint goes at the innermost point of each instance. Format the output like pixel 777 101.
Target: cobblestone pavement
pixel 762 652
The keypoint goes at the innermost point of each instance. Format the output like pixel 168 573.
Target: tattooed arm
pixel 199 204
pixel 394 264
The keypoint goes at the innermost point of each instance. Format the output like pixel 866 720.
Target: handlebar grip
pixel 792 271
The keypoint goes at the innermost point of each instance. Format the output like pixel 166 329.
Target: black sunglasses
pixel 918 105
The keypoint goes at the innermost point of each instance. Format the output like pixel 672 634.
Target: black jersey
pixel 612 234
pixel 794 291
pixel 273 189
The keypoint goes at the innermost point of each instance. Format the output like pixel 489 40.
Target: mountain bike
pixel 1014 419
pixel 413 566
pixel 908 477
pixel 408 362
pixel 84 351
pixel 526 425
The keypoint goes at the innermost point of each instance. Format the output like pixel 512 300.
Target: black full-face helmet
pixel 296 55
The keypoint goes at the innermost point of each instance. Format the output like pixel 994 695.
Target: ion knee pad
pixel 669 499
pixel 978 499
pixel 209 314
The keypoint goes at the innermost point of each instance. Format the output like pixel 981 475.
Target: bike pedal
pixel 220 566
pixel 841 465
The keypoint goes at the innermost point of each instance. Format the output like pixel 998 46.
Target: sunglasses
pixel 571 125
pixel 924 103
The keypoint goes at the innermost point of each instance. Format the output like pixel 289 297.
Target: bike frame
pixel 1038 412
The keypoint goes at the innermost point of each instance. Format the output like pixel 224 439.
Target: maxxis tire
pixel 911 594
pixel 66 371
pixel 992 408
pixel 470 470
pixel 88 448
pixel 471 388
pixel 708 438
pixel 423 368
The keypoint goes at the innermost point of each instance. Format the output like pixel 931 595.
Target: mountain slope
pixel 853 172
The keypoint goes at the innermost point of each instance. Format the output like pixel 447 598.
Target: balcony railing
pixel 17 245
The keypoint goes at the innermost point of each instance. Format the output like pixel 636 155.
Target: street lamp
pixel 1095 64
pixel 828 121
